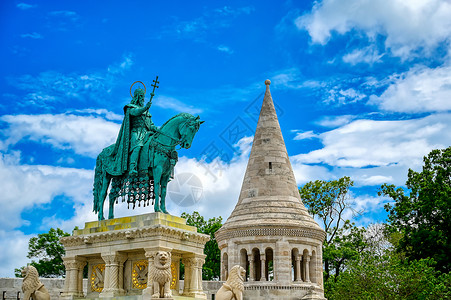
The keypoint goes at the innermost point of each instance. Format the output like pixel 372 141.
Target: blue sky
pixel 362 89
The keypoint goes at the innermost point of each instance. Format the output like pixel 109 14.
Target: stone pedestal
pixel 119 252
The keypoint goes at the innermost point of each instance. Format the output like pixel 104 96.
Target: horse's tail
pixel 98 182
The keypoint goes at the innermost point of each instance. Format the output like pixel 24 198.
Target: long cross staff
pixel 155 85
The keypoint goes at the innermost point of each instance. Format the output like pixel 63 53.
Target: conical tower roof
pixel 269 195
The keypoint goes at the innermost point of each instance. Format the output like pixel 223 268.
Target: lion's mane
pixel 31 281
pixel 160 272
pixel 235 280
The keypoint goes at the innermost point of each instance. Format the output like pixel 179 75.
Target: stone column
pixel 262 268
pixel 80 266
pixel 307 269
pixel 188 269
pixel 193 276
pixel 114 277
pixel 298 268
pixel 147 292
pixel 319 266
pixel 283 261
pixel 73 286
pixel 251 267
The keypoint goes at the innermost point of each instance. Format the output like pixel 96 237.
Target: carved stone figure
pixel 141 162
pixel 31 286
pixel 233 288
pixel 141 271
pixel 98 277
pixel 161 276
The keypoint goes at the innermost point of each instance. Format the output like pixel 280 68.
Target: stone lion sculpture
pixel 161 276
pixel 234 286
pixel 31 286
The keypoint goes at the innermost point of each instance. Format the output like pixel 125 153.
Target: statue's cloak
pixel 117 154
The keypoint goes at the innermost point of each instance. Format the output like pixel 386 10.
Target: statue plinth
pixel 121 253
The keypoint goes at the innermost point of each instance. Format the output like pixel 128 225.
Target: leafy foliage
pixel 212 266
pixel 423 217
pixel 329 201
pixel 47 248
pixel 390 277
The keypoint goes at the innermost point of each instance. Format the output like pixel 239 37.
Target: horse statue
pixel 156 163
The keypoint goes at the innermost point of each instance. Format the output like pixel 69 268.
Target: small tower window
pixel 270 166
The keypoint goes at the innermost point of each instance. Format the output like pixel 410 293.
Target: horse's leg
pixel 105 183
pixel 102 196
pixel 164 184
pixel 157 171
pixel 111 208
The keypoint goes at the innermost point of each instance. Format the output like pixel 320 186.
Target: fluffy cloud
pixel 85 135
pixel 26 186
pixel 14 251
pixel 421 89
pixel 374 152
pixel 369 55
pixel 407 25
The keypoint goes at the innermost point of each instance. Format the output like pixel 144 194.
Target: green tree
pixel 211 268
pixel 390 277
pixel 47 248
pixel 423 217
pixel 330 202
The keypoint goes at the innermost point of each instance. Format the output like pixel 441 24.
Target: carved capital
pixel 73 263
pixel 114 258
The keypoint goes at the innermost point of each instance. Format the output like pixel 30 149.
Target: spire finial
pixel 267 82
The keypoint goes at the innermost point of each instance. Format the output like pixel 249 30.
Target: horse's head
pixel 188 129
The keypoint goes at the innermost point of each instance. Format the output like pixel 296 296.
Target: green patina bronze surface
pixel 141 162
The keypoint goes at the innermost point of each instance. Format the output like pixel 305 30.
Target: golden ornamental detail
pixel 97 277
pixel 174 275
pixel 139 274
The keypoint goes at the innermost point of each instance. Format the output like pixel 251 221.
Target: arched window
pixel 244 262
pixel 257 265
pixel 269 264
pixel 225 266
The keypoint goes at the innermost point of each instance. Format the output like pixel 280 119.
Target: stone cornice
pixel 312 233
pixel 132 234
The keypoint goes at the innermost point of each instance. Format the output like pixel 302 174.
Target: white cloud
pixel 303 135
pixel 25 6
pixel 421 89
pixel 372 152
pixel 407 25
pixel 85 135
pixel 65 14
pixel 174 104
pixel 33 35
pixel 26 186
pixel 14 251
pixel 225 49
pixel 344 96
pixel 335 121
pixel 369 55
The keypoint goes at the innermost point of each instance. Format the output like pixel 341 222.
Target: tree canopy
pixel 47 248
pixel 212 267
pixel 423 217
pixel 330 202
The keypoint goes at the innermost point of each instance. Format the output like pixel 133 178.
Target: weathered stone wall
pixel 11 288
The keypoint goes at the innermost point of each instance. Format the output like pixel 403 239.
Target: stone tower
pixel 270 232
